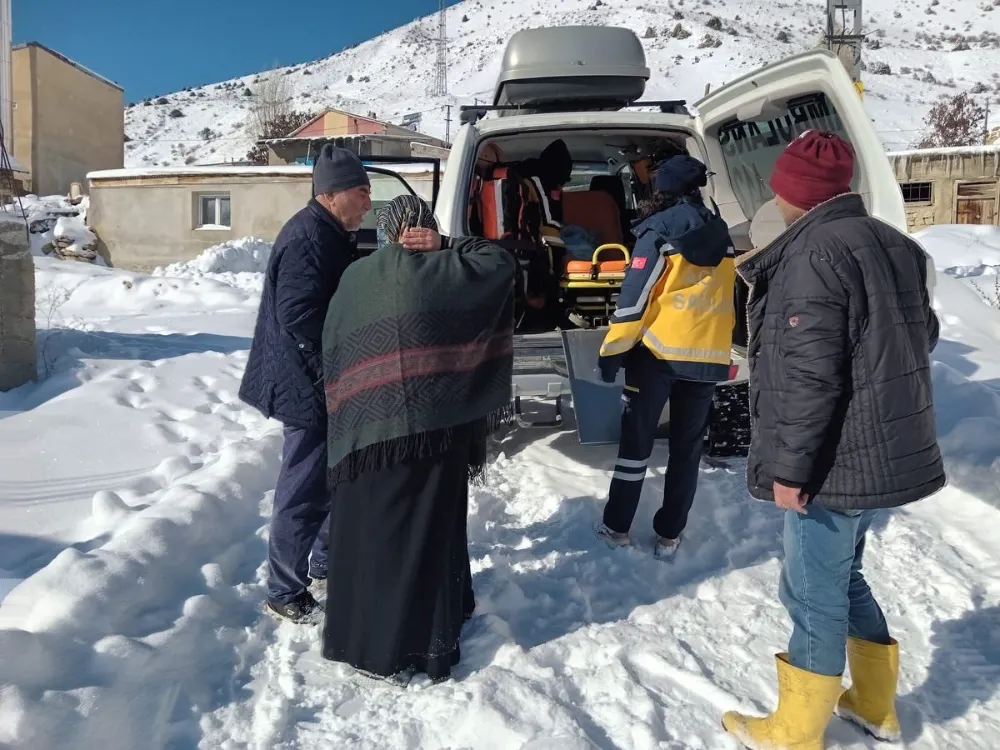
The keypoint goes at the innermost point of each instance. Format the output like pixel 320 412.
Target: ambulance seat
pixel 595 211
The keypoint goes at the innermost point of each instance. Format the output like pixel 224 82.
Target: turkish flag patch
pixel 639 263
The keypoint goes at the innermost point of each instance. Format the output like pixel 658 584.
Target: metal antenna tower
pixel 845 38
pixel 441 63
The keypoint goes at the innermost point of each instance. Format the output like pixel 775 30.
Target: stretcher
pixel 589 289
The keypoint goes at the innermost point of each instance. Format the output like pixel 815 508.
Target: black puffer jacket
pixel 841 331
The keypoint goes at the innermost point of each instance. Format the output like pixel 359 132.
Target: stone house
pixel 949 185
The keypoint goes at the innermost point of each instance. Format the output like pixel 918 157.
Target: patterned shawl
pixel 418 351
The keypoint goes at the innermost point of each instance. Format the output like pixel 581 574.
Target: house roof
pixel 360 138
pixel 207 171
pixel 63 58
pixel 290 170
pixel 327 111
pixel 993 148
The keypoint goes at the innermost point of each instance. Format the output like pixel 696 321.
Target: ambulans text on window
pixel 751 148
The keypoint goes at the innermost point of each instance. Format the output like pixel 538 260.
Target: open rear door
pixel 392 176
pixel 747 123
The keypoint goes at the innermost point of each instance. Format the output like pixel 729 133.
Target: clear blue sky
pixel 155 47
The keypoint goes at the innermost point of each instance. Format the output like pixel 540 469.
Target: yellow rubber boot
pixel 871 700
pixel 805 705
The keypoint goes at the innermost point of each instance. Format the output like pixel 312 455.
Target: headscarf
pixel 402 212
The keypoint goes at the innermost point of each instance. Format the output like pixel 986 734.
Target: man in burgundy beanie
pixel 841 331
pixel 815 168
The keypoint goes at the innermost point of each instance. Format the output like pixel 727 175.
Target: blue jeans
pixel 824 590
pixel 298 518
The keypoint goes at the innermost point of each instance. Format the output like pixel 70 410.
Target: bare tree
pixel 271 101
pixel 954 121
pixel 277 128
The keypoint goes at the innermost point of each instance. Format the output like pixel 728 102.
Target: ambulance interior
pixel 612 173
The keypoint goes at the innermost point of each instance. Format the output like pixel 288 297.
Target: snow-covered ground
pixel 917 53
pixel 134 496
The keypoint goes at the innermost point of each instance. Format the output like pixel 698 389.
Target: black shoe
pixel 303 610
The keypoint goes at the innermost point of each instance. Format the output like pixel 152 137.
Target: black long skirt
pixel 400 587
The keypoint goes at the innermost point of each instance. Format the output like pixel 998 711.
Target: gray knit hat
pixel 336 170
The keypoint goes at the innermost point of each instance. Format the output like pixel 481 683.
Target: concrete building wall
pixel 68 121
pixel 363 126
pixel 24 110
pixel 17 307
pixel 142 223
pixel 334 123
pixel 950 175
pixel 144 220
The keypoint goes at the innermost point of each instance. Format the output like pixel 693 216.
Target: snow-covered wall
pixel 17 305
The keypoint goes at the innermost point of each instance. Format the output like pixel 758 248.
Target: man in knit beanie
pixel 341 185
pixel 284 373
pixel 841 331
pixel 815 168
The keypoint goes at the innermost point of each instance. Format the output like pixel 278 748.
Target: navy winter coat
pixel 284 373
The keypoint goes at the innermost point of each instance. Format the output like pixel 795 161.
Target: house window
pixel 214 211
pixel 916 192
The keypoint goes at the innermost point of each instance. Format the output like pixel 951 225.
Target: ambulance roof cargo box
pixel 571 69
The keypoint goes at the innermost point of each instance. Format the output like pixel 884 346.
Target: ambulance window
pixel 583 173
pixel 385 187
pixel 751 148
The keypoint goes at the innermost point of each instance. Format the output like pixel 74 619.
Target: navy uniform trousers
pixel 649 384
pixel 298 518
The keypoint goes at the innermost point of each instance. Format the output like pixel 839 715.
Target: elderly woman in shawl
pixel 418 358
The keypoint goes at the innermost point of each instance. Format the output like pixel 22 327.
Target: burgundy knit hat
pixel 814 168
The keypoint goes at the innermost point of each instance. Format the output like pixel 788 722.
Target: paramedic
pixel 284 373
pixel 672 333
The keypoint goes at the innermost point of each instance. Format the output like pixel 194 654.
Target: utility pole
pixel 846 44
pixel 6 77
pixel 447 124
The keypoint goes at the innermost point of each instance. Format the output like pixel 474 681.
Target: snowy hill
pixel 919 52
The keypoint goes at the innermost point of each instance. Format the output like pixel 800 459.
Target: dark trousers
pixel 649 383
pixel 298 519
